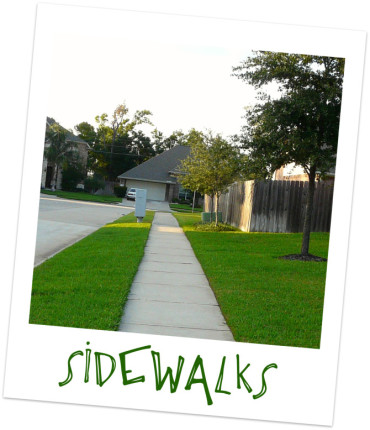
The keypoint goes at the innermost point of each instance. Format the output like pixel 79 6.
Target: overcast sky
pixel 183 86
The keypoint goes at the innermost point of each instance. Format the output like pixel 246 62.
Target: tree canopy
pixel 300 124
pixel 213 164
pixel 117 144
pixel 59 150
pixel 162 143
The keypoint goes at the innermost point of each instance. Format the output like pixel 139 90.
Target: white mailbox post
pixel 140 204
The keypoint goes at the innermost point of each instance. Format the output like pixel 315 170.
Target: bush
pixel 211 226
pixel 120 191
pixel 93 184
pixel 71 176
pixel 182 201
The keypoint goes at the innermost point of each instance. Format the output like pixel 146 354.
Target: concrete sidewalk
pixel 170 294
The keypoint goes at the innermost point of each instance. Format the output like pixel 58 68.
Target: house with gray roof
pixel 158 175
pixel 82 148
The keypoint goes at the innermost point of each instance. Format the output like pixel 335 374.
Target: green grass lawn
pixel 83 196
pixel 183 208
pixel 87 284
pixel 263 299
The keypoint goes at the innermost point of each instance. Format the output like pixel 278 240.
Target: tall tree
pixel 213 164
pixel 86 132
pixel 58 149
pixel 142 146
pixel 301 124
pixel 73 173
pixel 162 143
pixel 117 144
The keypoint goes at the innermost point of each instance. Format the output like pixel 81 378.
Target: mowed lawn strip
pixel 263 299
pixel 87 284
pixel 184 208
pixel 83 196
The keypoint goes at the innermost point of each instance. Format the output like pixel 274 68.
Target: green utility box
pixel 206 216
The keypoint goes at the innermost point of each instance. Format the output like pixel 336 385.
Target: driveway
pixel 151 205
pixel 63 222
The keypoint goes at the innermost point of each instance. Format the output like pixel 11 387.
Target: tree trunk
pixel 110 168
pixel 216 209
pixel 55 177
pixel 308 214
pixel 211 207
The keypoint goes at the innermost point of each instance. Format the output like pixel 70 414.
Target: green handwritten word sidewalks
pixel 160 377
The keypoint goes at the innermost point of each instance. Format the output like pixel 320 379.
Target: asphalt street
pixel 63 222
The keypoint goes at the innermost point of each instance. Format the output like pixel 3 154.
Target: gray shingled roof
pixel 70 136
pixel 160 167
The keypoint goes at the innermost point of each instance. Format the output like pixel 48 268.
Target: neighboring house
pixel 82 148
pixel 158 175
pixel 292 172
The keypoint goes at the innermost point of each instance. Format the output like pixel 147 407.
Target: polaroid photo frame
pixel 60 364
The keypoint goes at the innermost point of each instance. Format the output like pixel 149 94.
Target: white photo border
pixel 302 389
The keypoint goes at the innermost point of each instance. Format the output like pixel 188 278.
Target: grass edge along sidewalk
pixel 264 299
pixel 86 197
pixel 184 208
pixel 87 284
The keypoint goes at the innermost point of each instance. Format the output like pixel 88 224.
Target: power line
pixel 117 153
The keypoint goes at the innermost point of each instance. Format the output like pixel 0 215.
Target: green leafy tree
pixel 117 144
pixel 86 132
pixel 213 164
pixel 142 146
pixel 162 143
pixel 298 126
pixel 73 173
pixel 93 183
pixel 58 149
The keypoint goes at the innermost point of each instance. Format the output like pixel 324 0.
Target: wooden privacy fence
pixel 274 206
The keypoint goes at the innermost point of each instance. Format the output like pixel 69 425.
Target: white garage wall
pixel 154 190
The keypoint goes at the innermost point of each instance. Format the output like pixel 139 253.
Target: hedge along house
pixel 158 175
pixel 82 149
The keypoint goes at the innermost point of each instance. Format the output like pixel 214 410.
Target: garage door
pixel 154 190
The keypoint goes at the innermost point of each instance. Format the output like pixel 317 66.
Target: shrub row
pixel 120 191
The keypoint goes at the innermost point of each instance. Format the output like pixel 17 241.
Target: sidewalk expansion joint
pixel 140 299
pixel 167 271
pixel 167 285
pixel 164 262
pixel 172 326
pixel 171 284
